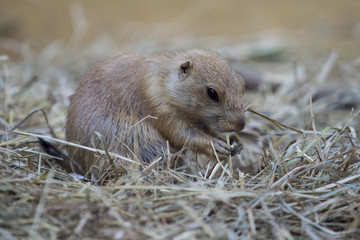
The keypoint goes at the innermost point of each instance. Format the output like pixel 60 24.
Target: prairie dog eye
pixel 212 94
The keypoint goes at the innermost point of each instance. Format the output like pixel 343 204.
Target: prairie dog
pixel 193 97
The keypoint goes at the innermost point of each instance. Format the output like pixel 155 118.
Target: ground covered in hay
pixel 299 177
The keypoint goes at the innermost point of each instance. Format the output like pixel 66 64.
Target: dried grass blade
pixel 278 124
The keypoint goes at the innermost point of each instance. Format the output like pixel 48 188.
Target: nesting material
pixel 299 176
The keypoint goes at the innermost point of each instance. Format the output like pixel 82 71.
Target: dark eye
pixel 212 94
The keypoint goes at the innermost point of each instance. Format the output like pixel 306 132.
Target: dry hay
pixel 307 184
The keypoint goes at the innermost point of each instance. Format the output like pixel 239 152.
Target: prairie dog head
pixel 203 88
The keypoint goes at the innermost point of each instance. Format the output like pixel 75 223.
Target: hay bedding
pixel 306 160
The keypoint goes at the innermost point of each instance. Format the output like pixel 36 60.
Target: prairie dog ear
pixel 184 70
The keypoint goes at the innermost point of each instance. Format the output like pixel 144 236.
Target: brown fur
pixel 116 97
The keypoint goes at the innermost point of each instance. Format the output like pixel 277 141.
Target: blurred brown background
pixel 322 24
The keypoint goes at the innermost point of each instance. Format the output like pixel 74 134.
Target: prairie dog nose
pixel 241 123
